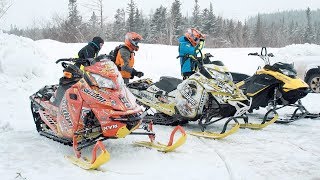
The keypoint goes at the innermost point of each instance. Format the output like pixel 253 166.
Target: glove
pixel 136 73
pixel 139 74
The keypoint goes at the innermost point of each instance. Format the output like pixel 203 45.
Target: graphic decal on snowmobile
pixel 94 95
pixel 65 113
pixel 207 96
pixel 84 111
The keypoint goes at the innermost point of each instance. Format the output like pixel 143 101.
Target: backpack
pixel 113 54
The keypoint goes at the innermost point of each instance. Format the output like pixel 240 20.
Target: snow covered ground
pixel 289 151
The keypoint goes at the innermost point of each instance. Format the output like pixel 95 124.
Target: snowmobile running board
pixel 162 147
pixel 266 122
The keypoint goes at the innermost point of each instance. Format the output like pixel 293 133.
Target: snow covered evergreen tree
pixel 196 20
pixel 119 28
pixel 258 36
pixel 176 24
pixel 308 35
pixel 73 25
pixel 158 26
pixel 131 9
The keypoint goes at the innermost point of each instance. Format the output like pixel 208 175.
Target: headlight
pixel 104 82
pixel 288 73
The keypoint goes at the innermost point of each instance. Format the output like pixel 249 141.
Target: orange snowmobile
pixel 89 106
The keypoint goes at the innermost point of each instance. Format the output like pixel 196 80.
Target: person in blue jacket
pixel 189 46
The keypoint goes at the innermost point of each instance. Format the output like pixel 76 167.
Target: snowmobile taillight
pixel 67 74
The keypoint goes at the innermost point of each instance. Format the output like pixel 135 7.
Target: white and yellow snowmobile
pixel 207 96
pixel 275 87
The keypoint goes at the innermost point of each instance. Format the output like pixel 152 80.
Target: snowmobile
pixel 209 95
pixel 90 106
pixel 275 87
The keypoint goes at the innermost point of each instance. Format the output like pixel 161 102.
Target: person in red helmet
pixel 189 46
pixel 125 56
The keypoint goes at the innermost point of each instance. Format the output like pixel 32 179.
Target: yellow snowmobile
pixel 274 86
pixel 207 96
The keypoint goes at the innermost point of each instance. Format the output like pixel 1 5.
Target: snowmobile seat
pixel 138 85
pixel 167 83
pixel 237 77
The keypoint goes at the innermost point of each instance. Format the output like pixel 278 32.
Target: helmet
pixel 194 36
pixel 132 39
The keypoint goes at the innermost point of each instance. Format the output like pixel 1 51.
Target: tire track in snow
pixel 222 157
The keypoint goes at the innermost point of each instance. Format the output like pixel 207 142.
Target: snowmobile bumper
pixel 95 162
pixel 171 146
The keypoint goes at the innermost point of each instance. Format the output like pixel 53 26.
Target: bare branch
pixel 5 9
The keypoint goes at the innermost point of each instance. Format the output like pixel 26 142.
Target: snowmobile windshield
pixel 218 63
pixel 284 68
pixel 216 72
pixel 106 74
pixel 102 57
pixel 104 82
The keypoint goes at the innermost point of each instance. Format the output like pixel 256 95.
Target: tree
pixel 176 24
pixel 308 35
pixel 119 28
pixel 158 26
pixel 196 15
pixel 73 25
pixel 258 36
pixel 245 35
pixel 131 13
pixel 4 7
pixel 138 22
pixel 97 5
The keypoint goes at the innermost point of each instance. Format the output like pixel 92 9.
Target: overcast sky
pixel 24 13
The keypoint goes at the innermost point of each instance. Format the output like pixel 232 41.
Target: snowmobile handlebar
pixel 263 55
pixel 253 54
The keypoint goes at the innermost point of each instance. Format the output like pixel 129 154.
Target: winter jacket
pixel 90 51
pixel 125 60
pixel 185 51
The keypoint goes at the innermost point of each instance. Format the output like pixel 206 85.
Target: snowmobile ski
pixel 96 162
pixel 213 135
pixel 266 121
pixel 163 147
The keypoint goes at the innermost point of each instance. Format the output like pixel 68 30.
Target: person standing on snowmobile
pixel 90 51
pixel 189 46
pixel 125 57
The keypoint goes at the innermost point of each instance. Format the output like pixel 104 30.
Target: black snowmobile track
pixel 49 134
pixel 163 119
pixel 52 136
